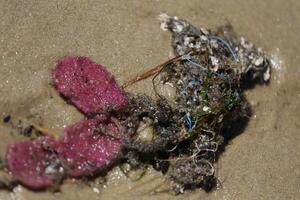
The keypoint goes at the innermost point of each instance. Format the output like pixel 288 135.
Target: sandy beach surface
pixel 261 163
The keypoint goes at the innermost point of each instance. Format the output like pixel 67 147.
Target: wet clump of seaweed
pixel 200 105
pixel 188 132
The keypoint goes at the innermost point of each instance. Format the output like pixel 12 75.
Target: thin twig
pixel 150 72
pixel 44 131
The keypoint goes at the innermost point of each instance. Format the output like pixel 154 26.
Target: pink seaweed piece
pixel 88 85
pixel 86 146
pixel 32 163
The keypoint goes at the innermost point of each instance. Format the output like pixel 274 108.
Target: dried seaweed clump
pixel 209 73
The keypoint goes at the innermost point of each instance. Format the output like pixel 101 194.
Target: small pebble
pixel 145 133
pixel 6 119
pixel 96 190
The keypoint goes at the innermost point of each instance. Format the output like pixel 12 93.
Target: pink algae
pixel 32 163
pixel 88 85
pixel 86 146
pixel 90 145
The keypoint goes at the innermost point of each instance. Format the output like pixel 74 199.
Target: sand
pixel 261 163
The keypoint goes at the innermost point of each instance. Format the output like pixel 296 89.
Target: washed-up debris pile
pixel 180 135
pixel 208 74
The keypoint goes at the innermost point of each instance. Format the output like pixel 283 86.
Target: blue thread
pixel 189 121
pixel 194 82
pixel 222 40
pixel 198 65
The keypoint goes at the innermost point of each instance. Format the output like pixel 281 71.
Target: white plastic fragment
pixel 259 61
pixel 267 75
pixel 206 108
pixel 164 18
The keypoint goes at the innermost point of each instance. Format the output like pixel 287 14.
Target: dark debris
pixel 191 132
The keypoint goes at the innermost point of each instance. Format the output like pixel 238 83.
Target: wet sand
pixel 261 163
